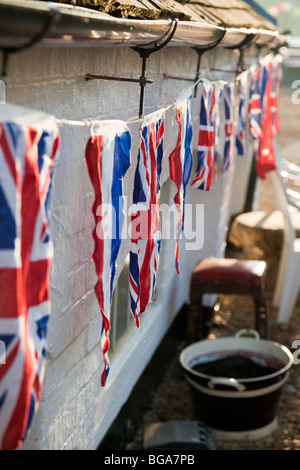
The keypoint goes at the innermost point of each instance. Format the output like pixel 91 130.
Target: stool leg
pixel 207 320
pixel 192 325
pixel 204 318
pixel 261 323
pixel 194 329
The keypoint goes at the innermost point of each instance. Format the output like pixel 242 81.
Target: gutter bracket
pixel 51 17
pixel 245 44
pixel 144 53
pixel 200 51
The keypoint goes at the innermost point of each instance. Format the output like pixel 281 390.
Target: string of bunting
pixel 145 222
pixel 30 148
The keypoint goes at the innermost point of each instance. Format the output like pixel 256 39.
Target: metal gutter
pixel 64 25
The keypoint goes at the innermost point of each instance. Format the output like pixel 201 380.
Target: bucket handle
pixel 230 382
pixel 248 331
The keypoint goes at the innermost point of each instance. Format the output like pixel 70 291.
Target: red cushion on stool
pixel 229 271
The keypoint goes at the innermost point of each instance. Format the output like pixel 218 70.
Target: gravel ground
pixel 172 400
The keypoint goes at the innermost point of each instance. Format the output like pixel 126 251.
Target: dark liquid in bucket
pixel 236 364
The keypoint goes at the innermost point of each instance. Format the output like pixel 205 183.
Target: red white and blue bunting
pixel 109 157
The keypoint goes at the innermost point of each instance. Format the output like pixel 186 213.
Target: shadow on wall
pixel 131 415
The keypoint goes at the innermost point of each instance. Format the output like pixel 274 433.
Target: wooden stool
pixel 229 276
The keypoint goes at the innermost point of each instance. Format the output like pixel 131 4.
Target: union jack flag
pixel 218 99
pixel 108 159
pixel 276 72
pixel 181 164
pixel 228 143
pixel 255 109
pixel 266 158
pixel 145 220
pixel 206 141
pixel 240 136
pixel 27 155
pixel 257 90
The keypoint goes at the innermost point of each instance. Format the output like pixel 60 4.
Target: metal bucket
pixel 235 407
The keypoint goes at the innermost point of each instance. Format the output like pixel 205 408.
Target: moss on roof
pixel 134 9
pixel 228 13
